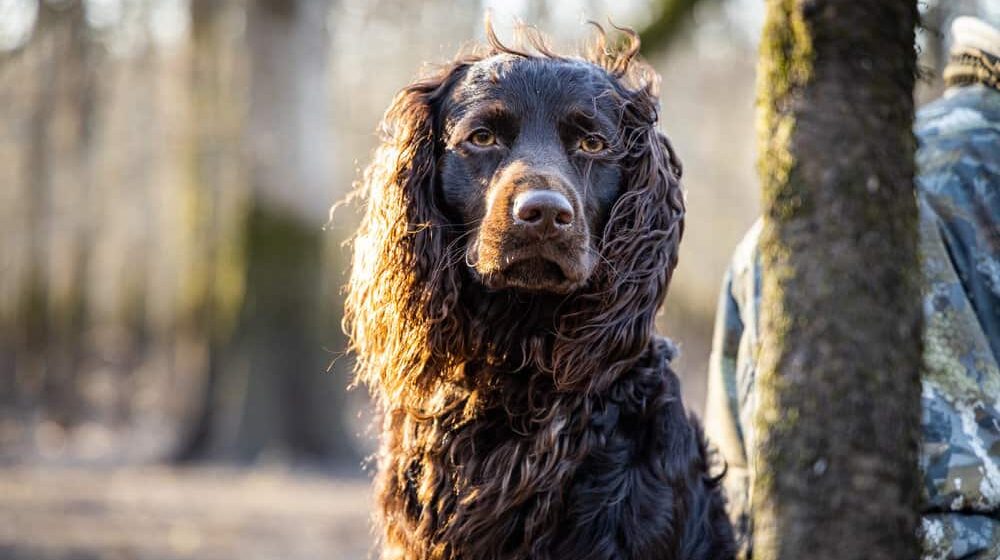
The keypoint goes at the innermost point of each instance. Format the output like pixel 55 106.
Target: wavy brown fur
pixel 516 425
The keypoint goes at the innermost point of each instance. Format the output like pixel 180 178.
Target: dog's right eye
pixel 483 138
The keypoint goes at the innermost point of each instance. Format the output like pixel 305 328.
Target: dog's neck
pixel 511 363
pixel 515 329
pixel 520 449
pixel 514 306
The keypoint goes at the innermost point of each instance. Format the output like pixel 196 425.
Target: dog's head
pixel 531 168
pixel 516 172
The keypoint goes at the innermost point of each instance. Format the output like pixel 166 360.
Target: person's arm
pixel 722 412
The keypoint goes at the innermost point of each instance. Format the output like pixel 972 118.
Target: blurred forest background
pixel 172 375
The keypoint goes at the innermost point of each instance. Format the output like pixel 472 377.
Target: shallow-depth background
pixel 172 375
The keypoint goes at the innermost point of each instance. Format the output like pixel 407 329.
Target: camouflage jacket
pixel 958 189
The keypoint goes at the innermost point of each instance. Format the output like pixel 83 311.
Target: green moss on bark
pixel 785 66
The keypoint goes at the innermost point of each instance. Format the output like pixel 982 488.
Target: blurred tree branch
pixel 660 33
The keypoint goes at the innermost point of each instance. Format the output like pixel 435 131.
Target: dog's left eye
pixel 483 138
pixel 592 144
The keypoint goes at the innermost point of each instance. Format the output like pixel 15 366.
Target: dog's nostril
pixel 542 208
pixel 530 215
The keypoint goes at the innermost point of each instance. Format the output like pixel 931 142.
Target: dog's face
pixel 529 168
pixel 509 171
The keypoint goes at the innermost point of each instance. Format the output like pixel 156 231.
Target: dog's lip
pixel 565 269
pixel 496 272
pixel 556 269
pixel 569 276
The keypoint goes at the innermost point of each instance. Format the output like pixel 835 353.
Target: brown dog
pixel 523 218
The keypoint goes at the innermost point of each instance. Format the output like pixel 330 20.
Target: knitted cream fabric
pixel 974 54
pixel 969 32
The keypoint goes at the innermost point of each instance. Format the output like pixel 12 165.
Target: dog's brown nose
pixel 542 210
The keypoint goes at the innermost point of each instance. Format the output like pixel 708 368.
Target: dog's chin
pixel 538 274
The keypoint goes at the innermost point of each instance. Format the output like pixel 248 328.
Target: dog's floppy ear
pixel 639 250
pixel 404 286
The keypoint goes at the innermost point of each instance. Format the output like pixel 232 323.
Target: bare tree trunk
pixel 290 402
pixel 271 395
pixel 217 187
pixel 839 389
pixel 52 308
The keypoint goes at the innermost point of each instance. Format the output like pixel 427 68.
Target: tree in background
pixel 667 23
pixel 839 391
pixel 163 282
pixel 267 392
pixel 52 306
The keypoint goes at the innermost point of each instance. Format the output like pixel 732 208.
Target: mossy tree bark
pixel 839 393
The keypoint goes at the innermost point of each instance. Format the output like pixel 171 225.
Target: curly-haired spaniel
pixel 523 219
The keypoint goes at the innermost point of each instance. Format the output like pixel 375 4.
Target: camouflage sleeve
pixel 722 408
pixel 731 373
pixel 960 449
pixel 960 536
pixel 959 181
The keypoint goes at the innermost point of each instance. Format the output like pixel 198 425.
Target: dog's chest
pixel 581 481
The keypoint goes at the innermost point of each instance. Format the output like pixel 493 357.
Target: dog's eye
pixel 592 144
pixel 483 138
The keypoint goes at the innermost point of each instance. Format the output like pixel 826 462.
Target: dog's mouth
pixel 536 273
pixel 508 258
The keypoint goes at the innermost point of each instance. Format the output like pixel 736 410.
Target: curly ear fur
pixel 639 249
pixel 402 297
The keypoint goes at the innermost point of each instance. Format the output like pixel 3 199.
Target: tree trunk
pixel 40 342
pixel 290 399
pixel 839 391
pixel 216 187
pixel 270 396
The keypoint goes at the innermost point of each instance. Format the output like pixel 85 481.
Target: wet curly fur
pixel 518 424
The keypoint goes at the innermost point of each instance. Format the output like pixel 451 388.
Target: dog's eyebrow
pixel 588 119
pixel 487 110
pixel 493 113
